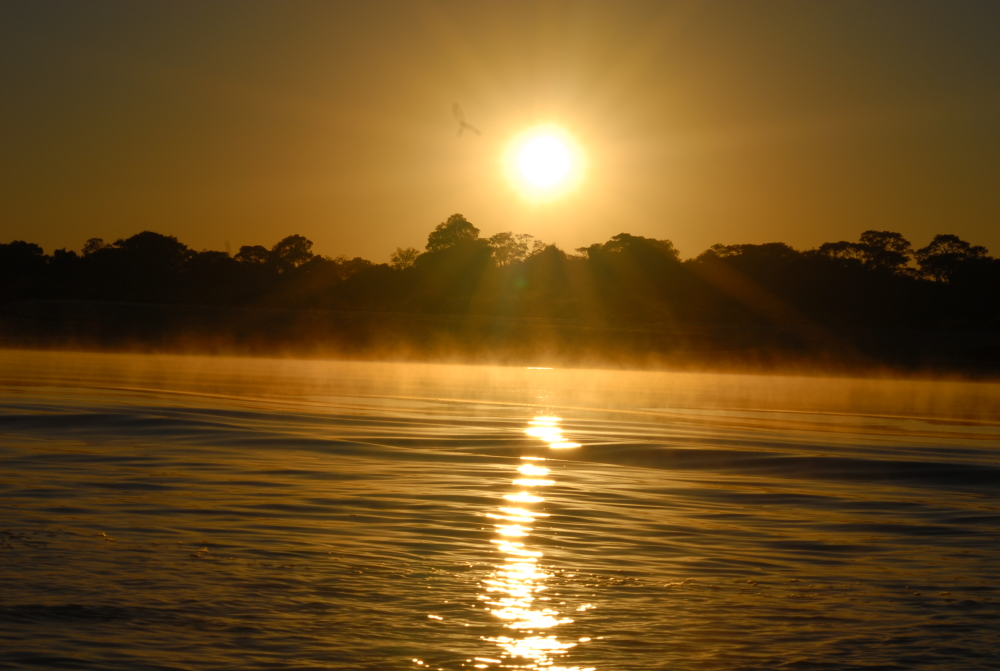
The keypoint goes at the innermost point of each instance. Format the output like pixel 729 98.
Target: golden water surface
pixel 176 512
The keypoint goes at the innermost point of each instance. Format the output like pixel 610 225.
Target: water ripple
pixel 167 530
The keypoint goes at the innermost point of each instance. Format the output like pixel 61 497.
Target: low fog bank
pixel 318 382
pixel 472 339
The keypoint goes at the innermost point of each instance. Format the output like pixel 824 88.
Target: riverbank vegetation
pixel 878 281
pixel 876 303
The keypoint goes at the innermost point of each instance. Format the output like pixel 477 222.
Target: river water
pixel 169 512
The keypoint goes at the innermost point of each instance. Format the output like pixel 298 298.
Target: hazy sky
pixel 701 122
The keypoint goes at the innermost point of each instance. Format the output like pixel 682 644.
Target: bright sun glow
pixel 544 163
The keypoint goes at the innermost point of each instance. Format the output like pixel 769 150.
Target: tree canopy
pixel 455 230
pixel 877 280
pixel 945 256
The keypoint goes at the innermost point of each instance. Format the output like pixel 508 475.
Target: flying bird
pixel 456 110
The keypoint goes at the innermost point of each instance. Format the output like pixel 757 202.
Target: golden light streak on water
pixel 533 482
pixel 547 428
pixel 523 497
pixel 513 591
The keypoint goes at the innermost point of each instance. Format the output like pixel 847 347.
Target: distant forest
pixel 879 281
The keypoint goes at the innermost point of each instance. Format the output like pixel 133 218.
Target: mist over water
pixel 210 513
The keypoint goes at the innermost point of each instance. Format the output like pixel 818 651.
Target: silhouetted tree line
pixel 879 281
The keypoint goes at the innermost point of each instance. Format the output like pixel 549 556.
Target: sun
pixel 544 163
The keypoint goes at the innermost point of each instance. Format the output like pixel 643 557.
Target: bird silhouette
pixel 456 110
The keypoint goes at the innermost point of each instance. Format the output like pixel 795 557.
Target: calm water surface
pixel 181 513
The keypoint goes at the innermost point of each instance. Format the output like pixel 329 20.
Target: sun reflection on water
pixel 547 428
pixel 514 590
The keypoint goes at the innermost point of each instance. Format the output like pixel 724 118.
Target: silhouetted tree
pixel 945 255
pixel 146 266
pixel 633 245
pixel 877 250
pixel 546 284
pixel 454 230
pixel 447 278
pixel 163 251
pixel 22 265
pixel 348 267
pixel 509 248
pixel 885 250
pixel 291 252
pixel 634 275
pixel 842 251
pixel 254 255
pixel 404 258
pixel 766 252
pixel 92 245
pixel 746 283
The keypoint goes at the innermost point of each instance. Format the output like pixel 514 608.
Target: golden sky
pixel 700 122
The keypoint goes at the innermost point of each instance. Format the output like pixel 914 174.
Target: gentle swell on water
pixel 183 513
